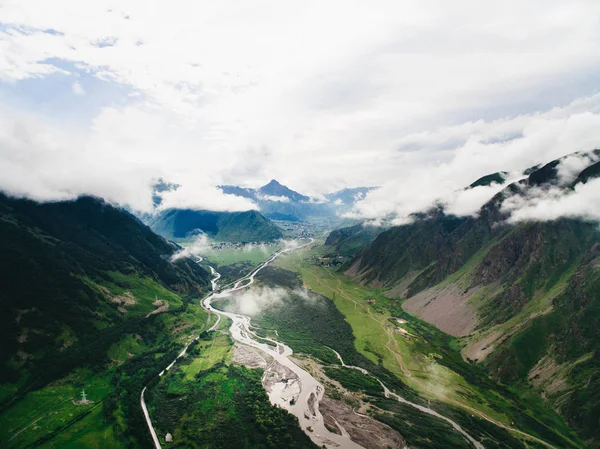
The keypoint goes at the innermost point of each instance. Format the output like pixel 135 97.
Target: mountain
pixel 348 240
pixel 275 189
pixel 279 202
pixel 248 226
pixel 524 297
pixel 272 189
pixel 494 178
pixel 77 277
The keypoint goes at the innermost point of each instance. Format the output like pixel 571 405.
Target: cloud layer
pixel 417 96
pixel 546 205
pixel 511 145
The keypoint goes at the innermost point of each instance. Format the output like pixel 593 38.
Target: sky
pixel 106 97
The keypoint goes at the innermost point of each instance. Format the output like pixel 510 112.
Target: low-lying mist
pixel 200 246
pixel 258 300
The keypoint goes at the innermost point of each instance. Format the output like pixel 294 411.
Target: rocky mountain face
pixel 248 226
pixel 76 277
pixel 524 296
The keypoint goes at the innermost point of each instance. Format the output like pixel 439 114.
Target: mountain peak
pixel 273 182
pixel 275 188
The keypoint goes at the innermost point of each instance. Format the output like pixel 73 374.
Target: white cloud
pixel 540 138
pixel 203 196
pixel 550 204
pixel 279 199
pixel 318 198
pixel 292 243
pixel 256 300
pixel 260 246
pixel 469 202
pixel 198 248
pixel 253 301
pixel 240 93
pixel 77 88
pixel 572 165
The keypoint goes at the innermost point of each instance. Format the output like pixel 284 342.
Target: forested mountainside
pixel 248 226
pixel 77 277
pixel 524 296
pixel 347 241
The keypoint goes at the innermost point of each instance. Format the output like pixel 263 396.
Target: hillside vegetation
pixel 182 224
pixel 85 288
pixel 523 296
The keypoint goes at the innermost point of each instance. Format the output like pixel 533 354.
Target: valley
pixel 411 359
pixel 427 360
pixel 428 335
pixel 233 225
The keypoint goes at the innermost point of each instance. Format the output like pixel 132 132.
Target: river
pixel 309 391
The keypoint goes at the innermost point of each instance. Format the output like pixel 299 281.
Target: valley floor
pixel 215 396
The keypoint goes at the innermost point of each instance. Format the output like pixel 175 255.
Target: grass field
pixel 207 354
pixel 48 418
pixel 432 366
pixel 122 350
pixel 144 290
pixel 91 432
pixel 250 253
pixel 43 412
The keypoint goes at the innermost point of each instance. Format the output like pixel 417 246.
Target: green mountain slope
pixel 524 297
pixel 78 277
pixel 249 226
pixel 347 241
pixel 91 300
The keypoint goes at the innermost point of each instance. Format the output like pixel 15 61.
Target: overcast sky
pixel 424 97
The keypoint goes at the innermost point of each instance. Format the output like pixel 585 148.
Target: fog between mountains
pixel 256 300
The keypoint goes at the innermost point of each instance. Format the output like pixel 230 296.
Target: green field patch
pixel 126 348
pixel 92 431
pixel 41 413
pixel 253 254
pixel 206 354
pixel 144 291
pixel 354 380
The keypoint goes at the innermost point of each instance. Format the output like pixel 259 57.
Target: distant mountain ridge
pixel 279 202
pixel 274 188
pixel 525 297
pixel 248 226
